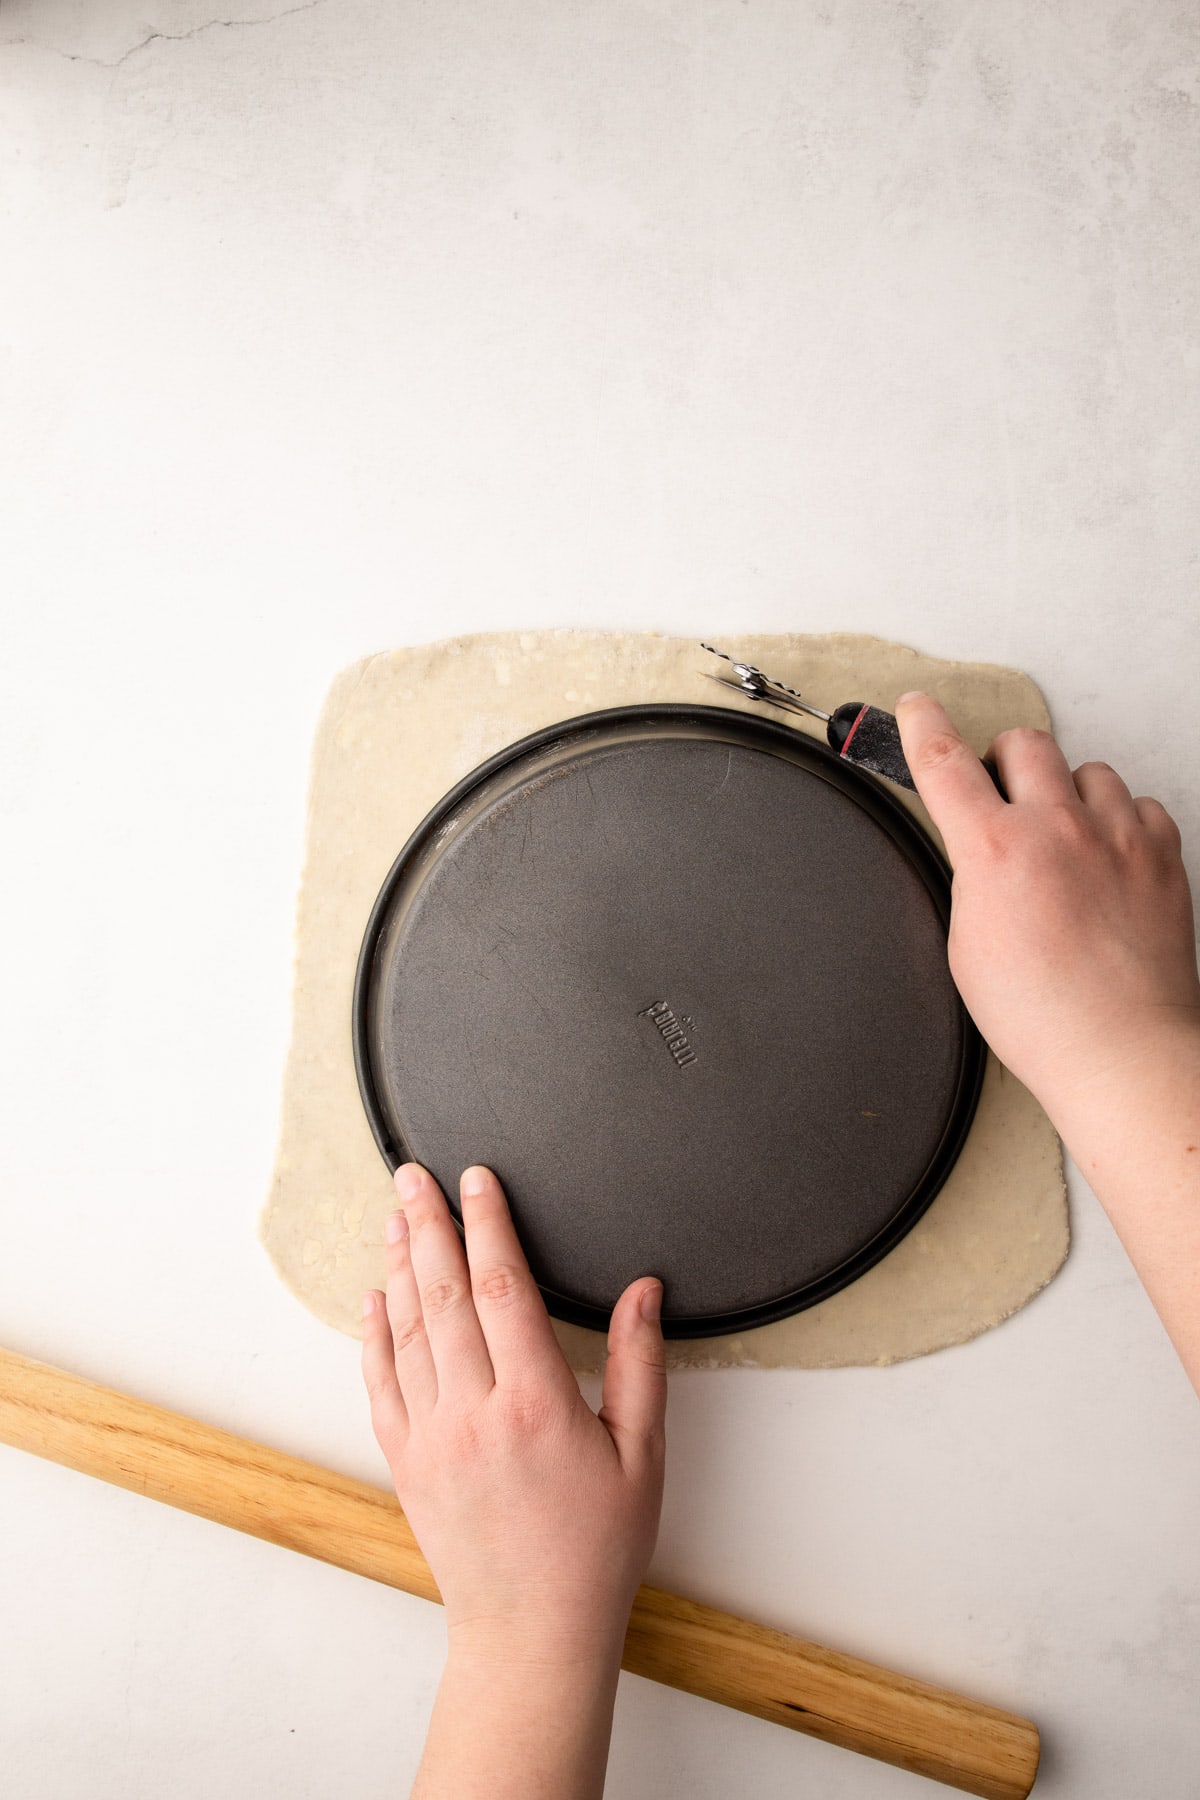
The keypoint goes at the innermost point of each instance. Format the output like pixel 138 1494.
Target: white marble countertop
pixel 354 326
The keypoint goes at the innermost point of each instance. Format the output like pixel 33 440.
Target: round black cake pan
pixel 678 974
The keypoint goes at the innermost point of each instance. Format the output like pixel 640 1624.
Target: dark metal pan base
pixel 678 975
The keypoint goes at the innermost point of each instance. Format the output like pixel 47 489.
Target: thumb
pixel 635 1375
pixel 954 785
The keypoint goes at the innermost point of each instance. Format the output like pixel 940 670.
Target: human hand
pixel 1071 933
pixel 537 1516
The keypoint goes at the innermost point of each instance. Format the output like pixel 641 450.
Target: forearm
pixel 1135 1133
pixel 518 1728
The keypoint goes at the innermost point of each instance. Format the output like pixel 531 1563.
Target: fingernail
pixel 913 694
pixel 368 1304
pixel 651 1303
pixel 408 1180
pixel 475 1179
pixel 395 1227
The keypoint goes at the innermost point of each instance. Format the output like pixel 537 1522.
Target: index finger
pixel 951 780
pixel 516 1325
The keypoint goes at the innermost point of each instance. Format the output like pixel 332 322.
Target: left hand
pixel 537 1516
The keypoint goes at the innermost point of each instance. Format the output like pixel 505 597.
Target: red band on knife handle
pixel 862 713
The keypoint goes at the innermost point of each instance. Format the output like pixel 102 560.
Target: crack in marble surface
pixel 167 37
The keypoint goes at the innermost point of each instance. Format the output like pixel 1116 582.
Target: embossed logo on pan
pixel 672 1031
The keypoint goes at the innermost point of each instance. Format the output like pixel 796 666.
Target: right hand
pixel 1071 931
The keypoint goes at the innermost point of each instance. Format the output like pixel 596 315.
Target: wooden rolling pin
pixel 697 1648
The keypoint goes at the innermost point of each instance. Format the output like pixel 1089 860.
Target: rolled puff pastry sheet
pixel 397 732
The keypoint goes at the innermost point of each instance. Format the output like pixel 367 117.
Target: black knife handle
pixel 870 737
